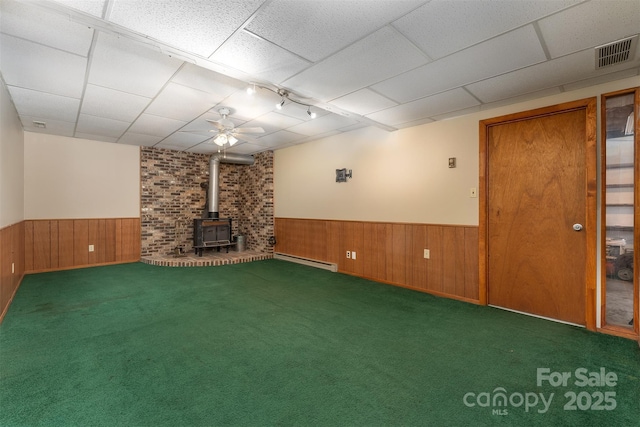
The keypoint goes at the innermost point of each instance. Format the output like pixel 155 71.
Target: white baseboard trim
pixel 305 261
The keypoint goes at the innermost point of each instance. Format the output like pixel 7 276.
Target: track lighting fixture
pixel 310 113
pixel 284 94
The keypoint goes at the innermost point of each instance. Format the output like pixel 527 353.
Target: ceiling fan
pixel 228 133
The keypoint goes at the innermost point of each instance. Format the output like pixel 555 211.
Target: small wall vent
pixel 616 52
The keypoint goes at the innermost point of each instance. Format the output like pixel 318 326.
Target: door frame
pixel 604 326
pixel 589 105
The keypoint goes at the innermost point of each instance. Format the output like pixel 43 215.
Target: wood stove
pixel 211 233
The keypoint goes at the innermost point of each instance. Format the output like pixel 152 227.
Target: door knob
pixel 577 227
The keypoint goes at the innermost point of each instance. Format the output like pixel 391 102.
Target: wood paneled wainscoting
pixel 60 244
pixel 11 263
pixel 392 253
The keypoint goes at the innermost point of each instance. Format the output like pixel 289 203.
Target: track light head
pixel 310 113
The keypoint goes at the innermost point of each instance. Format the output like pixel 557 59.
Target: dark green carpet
pixel 275 343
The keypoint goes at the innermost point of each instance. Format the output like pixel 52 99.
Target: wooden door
pixel 540 183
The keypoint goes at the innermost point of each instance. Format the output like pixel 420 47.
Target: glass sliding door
pixel 620 212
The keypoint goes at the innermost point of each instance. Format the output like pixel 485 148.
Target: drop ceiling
pixel 152 72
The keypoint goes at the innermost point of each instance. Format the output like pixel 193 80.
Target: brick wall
pixel 256 210
pixel 172 196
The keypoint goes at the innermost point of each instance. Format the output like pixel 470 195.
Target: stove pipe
pixel 214 177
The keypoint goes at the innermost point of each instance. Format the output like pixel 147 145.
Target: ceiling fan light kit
pixel 227 132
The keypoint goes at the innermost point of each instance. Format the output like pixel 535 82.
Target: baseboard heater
pixel 305 261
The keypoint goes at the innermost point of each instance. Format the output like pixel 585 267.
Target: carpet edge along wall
pixel 277 343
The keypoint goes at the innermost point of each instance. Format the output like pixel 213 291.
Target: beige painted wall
pixel 11 162
pixel 78 178
pixel 400 176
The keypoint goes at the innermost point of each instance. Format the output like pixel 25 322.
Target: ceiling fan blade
pixel 249 130
pixel 245 138
pixel 218 125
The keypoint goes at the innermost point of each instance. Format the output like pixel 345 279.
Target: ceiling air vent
pixel 40 125
pixel 616 52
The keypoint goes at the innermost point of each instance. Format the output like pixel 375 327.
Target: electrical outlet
pixel 349 254
pixel 427 253
pixel 473 192
pixel 91 248
pixel 353 254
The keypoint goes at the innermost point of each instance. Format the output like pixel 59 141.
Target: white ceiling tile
pixel 414 123
pixel 112 104
pixel 173 146
pixel 363 102
pixel 182 103
pixel 602 20
pixel 377 57
pixel 130 67
pixel 322 124
pixel 556 72
pixel 33 23
pixel 442 27
pixel 207 81
pixel 298 111
pixel 101 126
pixel 157 126
pixel 277 139
pixel 246 148
pixel 511 51
pixel 258 57
pixel 272 122
pixel 248 107
pixel 315 29
pixel 34 66
pixel 132 138
pixel 458 113
pixel 95 137
pixel 185 139
pixel 44 106
pixel 522 98
pixel 441 103
pixel 192 25
pixel 169 147
pixel 92 7
pixel 355 126
pixel 619 75
pixel 54 127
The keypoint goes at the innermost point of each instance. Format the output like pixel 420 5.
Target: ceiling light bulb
pixel 279 106
pixel 310 113
pixel 220 139
pixel 232 139
pixel 251 89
